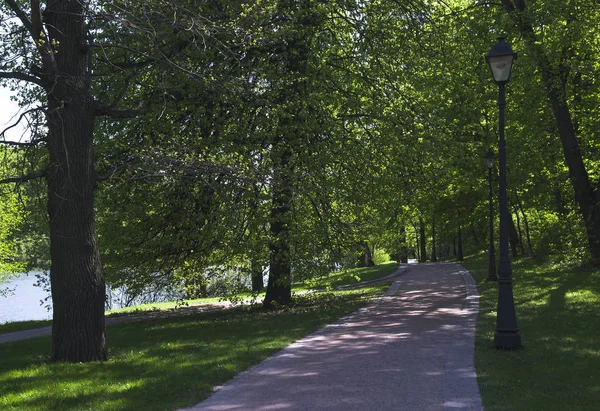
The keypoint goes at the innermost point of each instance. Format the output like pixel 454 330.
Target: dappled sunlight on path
pixel 411 350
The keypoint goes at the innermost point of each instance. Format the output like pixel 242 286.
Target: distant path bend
pixel 410 350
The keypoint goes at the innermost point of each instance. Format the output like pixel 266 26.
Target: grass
pixel 334 279
pixel 559 320
pixel 135 310
pixel 168 363
pixel 352 276
pixel 165 363
pixel 23 325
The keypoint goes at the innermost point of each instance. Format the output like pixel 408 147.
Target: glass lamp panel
pixel 500 66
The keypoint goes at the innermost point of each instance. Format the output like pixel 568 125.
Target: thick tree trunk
pixel 279 290
pixel 77 279
pixel 299 23
pixel 554 77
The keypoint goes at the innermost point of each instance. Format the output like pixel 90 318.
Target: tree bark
pixel 554 77
pixel 526 223
pixel 423 252
pixel 366 259
pixel 433 244
pixel 519 230
pixel 258 283
pixel 403 247
pixel 459 255
pixel 279 289
pixel 76 275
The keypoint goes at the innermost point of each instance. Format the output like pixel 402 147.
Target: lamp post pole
pixel 489 163
pixel 500 60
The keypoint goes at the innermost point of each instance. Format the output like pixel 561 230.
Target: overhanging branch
pixel 19 120
pixel 21 144
pixel 17 75
pixel 21 15
pixel 24 179
pixel 103 110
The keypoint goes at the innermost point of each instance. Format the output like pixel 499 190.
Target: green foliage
pixel 380 257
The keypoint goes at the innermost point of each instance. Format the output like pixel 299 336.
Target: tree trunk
pixel 526 223
pixel 367 257
pixel 454 246
pixel 403 247
pixel 76 276
pixel 423 252
pixel 257 277
pixel 554 77
pixel 417 247
pixel 279 290
pixel 519 230
pixel 459 255
pixel 433 244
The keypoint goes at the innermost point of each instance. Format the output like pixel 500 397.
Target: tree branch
pixel 508 6
pixel 16 75
pixel 20 144
pixel 42 41
pixel 21 15
pixel 103 110
pixel 19 120
pixel 24 179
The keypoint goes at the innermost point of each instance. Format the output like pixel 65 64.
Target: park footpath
pixel 410 350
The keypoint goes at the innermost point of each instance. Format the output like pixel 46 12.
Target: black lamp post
pixel 490 160
pixel 500 59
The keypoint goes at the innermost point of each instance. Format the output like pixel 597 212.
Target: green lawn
pixel 351 276
pixel 558 313
pixel 135 310
pixel 167 363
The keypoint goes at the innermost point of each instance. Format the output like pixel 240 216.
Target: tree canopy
pixel 194 145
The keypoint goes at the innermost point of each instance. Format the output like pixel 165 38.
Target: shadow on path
pixel 410 350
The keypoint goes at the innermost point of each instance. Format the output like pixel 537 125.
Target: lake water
pixel 23 303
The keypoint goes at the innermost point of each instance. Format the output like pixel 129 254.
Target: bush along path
pixel 412 349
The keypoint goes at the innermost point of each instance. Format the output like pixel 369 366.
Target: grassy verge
pixel 559 320
pixel 352 276
pixel 164 364
pixel 334 279
pixel 136 310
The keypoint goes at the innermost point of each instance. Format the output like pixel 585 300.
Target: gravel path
pixel 411 350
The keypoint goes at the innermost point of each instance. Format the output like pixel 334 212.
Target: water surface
pixel 24 303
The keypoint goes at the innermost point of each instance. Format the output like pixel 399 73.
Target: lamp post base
pixel 508 340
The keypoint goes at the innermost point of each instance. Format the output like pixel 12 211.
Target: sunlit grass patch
pixel 165 363
pixel 351 276
pixel 559 322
